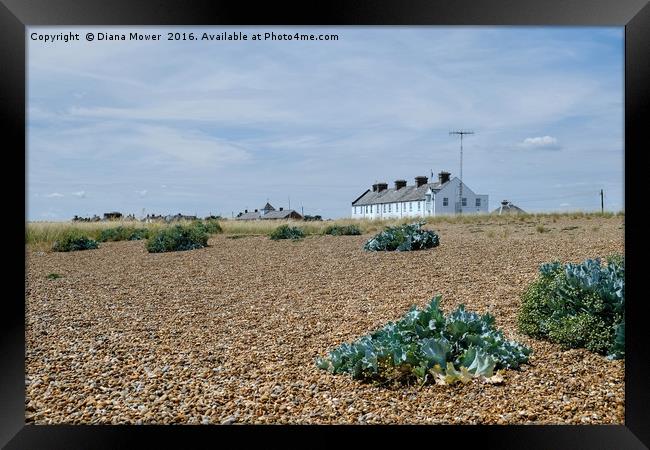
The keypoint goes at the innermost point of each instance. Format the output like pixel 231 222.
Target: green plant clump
pixel 121 233
pixel 343 230
pixel 426 346
pixel 53 276
pixel 210 226
pixel 287 232
pixel 578 306
pixel 403 238
pixel 74 240
pixel 177 238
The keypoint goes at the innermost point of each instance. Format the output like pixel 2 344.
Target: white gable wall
pixel 451 192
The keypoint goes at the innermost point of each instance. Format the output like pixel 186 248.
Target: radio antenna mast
pixel 461 133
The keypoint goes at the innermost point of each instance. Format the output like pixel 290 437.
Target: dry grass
pixel 41 235
pixel 229 333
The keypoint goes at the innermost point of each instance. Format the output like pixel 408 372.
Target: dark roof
pixel 249 216
pixel 405 194
pixel 268 207
pixel 284 214
pixel 508 208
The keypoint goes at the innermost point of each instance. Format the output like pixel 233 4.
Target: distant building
pixel 422 199
pixel 508 208
pixel 268 212
pixel 178 217
pixel 94 218
pixel 112 215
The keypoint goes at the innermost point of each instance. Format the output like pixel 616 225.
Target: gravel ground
pixel 229 333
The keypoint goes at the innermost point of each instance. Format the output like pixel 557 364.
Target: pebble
pixel 146 338
pixel 229 420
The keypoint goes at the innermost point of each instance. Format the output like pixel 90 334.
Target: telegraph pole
pixel 602 202
pixel 460 194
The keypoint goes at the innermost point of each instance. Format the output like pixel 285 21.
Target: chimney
pixel 443 177
pixel 419 181
pixel 255 210
pixel 245 211
pixel 374 187
pixel 382 186
pixel 504 202
pixel 399 184
pixel 281 208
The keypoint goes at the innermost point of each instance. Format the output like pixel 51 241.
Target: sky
pixel 215 127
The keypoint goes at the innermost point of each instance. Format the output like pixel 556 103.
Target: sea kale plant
pixel 427 346
pixel 177 238
pixel 210 226
pixel 121 233
pixel 287 232
pixel 578 305
pixel 342 230
pixel 403 238
pixel 74 240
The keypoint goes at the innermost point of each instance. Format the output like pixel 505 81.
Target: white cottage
pixel 422 199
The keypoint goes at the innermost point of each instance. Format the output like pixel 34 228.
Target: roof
pixel 405 194
pixel 279 214
pixel 250 216
pixel 508 208
pixel 268 207
pixel 273 214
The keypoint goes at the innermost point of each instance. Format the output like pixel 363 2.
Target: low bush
pixel 177 238
pixel 425 346
pixel 121 233
pixel 403 238
pixel 342 230
pixel 578 306
pixel 286 232
pixel 74 240
pixel 210 226
pixel 53 276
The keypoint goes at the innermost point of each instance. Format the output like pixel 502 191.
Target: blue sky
pixel 218 127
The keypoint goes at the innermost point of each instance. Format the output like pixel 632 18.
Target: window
pixel 419 205
pixel 445 201
pixel 410 206
pixel 464 201
pixel 478 202
pixel 384 207
pixel 389 205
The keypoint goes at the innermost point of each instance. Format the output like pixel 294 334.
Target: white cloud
pixel 80 194
pixel 142 193
pixel 565 204
pixel 548 142
pixel 54 195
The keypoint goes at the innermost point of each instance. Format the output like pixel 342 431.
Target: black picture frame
pixel 16 15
